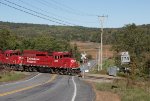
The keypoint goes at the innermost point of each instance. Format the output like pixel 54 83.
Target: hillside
pixel 69 33
pixel 91 48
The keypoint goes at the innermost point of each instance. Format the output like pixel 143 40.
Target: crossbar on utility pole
pixel 102 18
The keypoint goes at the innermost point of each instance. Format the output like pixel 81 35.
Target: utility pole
pixel 102 18
pixel 98 58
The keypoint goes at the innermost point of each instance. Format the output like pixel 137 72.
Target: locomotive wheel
pixel 41 69
pixel 13 68
pixel 52 71
pixel 21 68
pixel 30 69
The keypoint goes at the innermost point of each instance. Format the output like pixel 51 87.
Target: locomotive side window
pixel 60 56
pixel 11 54
pixel 7 55
pixel 57 57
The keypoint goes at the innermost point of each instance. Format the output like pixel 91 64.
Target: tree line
pixel 68 33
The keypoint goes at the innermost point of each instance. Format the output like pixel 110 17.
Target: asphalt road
pixel 43 88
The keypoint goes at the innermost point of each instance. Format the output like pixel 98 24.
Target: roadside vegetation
pixel 139 91
pixel 136 41
pixel 135 86
pixel 6 76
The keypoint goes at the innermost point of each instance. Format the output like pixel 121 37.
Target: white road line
pixel 21 81
pixel 75 90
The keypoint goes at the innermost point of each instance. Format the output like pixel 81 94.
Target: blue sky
pixel 78 12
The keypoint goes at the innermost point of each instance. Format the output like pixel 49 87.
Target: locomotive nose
pixel 74 63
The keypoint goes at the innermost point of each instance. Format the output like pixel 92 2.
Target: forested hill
pixel 64 32
pixel 61 32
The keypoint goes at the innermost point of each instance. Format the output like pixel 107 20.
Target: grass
pixel 132 93
pixel 10 76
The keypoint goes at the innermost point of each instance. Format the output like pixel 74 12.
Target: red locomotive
pixel 32 60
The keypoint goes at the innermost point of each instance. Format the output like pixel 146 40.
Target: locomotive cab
pixel 64 63
pixel 12 57
pixel 65 60
pixel 1 56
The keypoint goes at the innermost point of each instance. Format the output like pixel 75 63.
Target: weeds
pixel 10 76
pixel 130 93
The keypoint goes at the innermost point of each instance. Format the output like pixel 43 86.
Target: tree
pixel 49 43
pixel 26 43
pixel 75 51
pixel 134 40
pixel 7 40
pixel 43 42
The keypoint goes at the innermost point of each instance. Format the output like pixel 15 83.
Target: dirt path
pixel 106 96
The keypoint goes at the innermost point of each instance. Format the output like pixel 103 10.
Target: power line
pixel 37 14
pixel 72 9
pixel 40 13
pixel 46 3
pixel 32 14
pixel 30 5
pixel 68 10
pixel 40 9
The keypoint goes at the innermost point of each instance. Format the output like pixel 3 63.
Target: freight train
pixel 41 61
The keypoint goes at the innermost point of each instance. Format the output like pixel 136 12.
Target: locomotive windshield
pixel 66 56
pixel 14 54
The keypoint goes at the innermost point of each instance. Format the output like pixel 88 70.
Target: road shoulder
pixel 93 79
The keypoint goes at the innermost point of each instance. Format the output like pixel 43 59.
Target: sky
pixel 76 12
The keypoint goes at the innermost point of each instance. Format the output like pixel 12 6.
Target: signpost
pixel 125 57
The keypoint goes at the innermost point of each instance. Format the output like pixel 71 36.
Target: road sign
pixel 89 64
pixel 125 57
pixel 83 56
pixel 86 71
